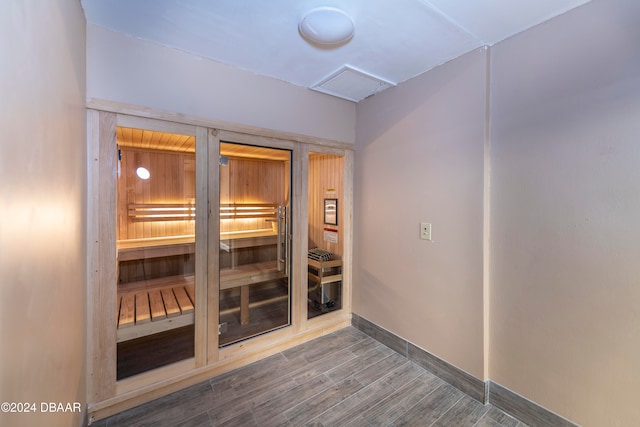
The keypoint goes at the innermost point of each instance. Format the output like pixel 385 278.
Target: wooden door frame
pixel 105 395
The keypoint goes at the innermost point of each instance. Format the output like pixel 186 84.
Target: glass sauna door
pixel 255 186
pixel 155 245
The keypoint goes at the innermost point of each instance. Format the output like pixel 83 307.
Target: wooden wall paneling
pixel 102 169
pixel 251 181
pixel 147 139
pixel 203 236
pixel 172 181
pixel 213 245
pixel 142 188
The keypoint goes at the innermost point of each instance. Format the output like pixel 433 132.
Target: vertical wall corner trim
pixel 486 220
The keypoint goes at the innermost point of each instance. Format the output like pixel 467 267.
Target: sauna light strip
pixel 176 211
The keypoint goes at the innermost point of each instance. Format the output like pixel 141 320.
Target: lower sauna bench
pixel 248 274
pixel 156 305
pixel 151 306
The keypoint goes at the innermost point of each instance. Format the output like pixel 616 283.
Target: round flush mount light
pixel 326 26
pixel 143 173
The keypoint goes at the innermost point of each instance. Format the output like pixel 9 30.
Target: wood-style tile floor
pixel 343 379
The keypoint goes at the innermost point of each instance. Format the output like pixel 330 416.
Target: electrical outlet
pixel 425 231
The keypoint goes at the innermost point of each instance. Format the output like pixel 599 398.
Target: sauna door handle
pixel 283 232
pixel 279 247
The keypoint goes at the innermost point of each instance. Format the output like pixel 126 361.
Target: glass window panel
pixel 326 193
pixel 254 241
pixel 155 249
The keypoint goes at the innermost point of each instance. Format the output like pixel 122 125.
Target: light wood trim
pixel 151 113
pixel 106 396
pixel 258 140
pixel 150 328
pixel 347 232
pixel 213 245
pixel 151 379
pixel 329 318
pixel 301 237
pixel 202 290
pixel 102 164
pixel 143 123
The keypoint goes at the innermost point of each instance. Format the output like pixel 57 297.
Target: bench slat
pixel 170 303
pixel 157 306
pixel 191 291
pixel 142 308
pixel 183 300
pixel 127 311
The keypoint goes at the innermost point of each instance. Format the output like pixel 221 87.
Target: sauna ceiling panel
pixel 250 151
pixel 154 140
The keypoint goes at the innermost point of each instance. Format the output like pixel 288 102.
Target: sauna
pixel 156 213
pixel 213 246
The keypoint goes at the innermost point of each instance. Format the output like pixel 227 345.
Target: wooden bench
pixel 244 275
pixel 151 306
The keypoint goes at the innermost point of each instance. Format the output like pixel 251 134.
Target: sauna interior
pixel 156 241
pixel 326 190
pixel 155 244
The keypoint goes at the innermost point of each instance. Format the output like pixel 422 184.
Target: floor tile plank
pixel 323 401
pixel 466 412
pixel 431 407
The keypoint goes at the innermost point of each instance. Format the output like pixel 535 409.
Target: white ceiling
pixel 394 40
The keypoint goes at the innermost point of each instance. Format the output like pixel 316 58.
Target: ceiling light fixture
pixel 326 26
